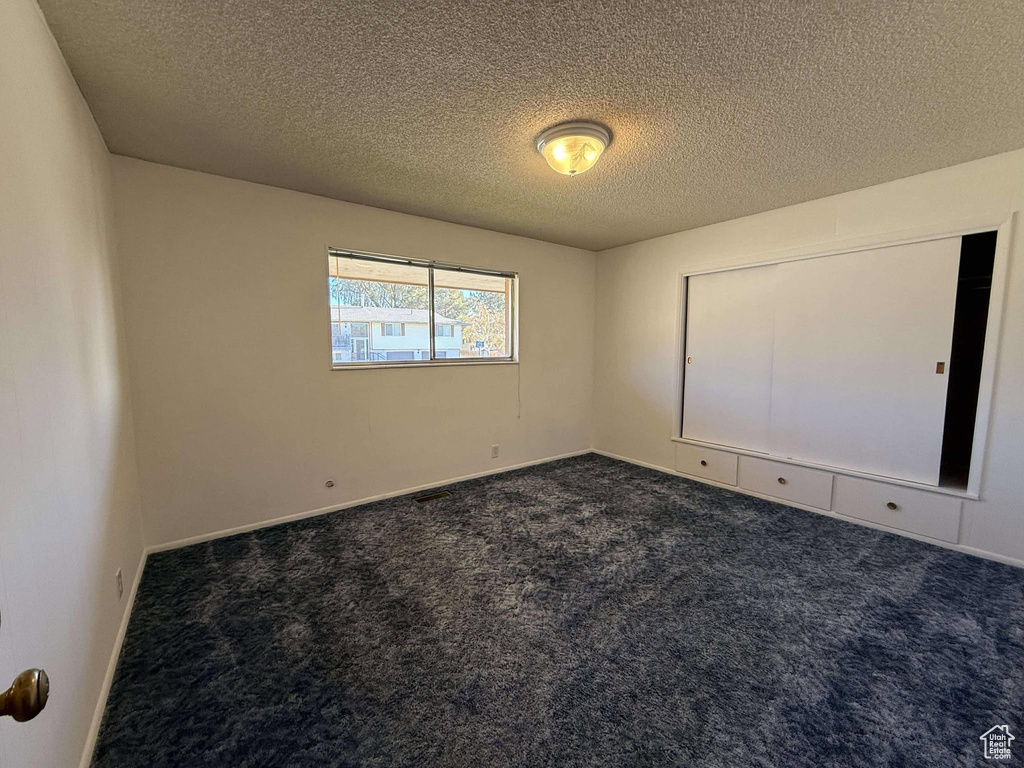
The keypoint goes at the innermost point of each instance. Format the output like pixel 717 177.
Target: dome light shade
pixel 572 148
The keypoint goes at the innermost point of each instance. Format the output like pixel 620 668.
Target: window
pixel 349 342
pixel 481 305
pixel 390 310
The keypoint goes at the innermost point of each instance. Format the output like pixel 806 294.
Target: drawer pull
pixel 703 463
pixel 782 481
pixel 893 506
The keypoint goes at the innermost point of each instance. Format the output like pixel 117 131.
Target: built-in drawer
pixel 928 514
pixel 706 462
pixel 786 481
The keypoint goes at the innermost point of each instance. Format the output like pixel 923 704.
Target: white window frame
pixel 513 311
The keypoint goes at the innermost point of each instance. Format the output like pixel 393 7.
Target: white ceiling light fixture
pixel 572 148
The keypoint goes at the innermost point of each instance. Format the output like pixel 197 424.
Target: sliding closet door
pixel 727 376
pixel 857 341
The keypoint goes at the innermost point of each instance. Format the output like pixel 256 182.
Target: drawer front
pixel 928 514
pixel 786 481
pixel 706 462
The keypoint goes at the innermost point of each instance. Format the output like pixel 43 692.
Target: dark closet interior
pixel 974 290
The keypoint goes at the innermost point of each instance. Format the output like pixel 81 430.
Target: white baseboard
pixel 355 503
pixel 108 679
pixel 944 544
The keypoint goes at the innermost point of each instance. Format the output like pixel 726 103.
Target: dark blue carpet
pixel 582 613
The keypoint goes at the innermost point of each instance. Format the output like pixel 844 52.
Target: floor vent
pixel 433 496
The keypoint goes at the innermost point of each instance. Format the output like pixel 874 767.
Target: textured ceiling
pixel 718 108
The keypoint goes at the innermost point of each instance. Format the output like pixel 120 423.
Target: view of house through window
pixel 380 311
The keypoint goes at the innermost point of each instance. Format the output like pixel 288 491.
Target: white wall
pixel 69 505
pixel 636 385
pixel 239 417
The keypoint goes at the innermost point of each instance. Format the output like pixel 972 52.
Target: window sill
pixel 420 364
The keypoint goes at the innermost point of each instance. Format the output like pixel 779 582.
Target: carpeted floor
pixel 581 613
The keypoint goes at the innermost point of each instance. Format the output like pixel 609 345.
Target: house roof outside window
pixel 387 315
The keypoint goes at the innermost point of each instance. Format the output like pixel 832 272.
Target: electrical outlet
pixel 120 584
pixel 494 451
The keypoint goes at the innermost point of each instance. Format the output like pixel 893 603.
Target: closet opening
pixel 970 318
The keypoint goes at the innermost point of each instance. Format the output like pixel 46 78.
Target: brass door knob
pixel 893 506
pixel 782 481
pixel 27 695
